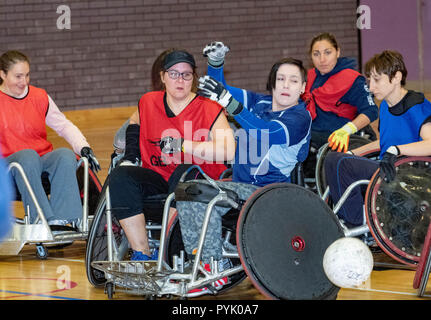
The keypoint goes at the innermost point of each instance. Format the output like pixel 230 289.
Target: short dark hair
pixel 270 84
pixel 388 62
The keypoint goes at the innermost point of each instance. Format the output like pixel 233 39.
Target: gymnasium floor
pixel 62 276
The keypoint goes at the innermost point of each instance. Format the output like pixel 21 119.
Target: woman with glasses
pixel 172 129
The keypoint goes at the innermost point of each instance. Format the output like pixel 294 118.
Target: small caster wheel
pixel 109 290
pixel 41 252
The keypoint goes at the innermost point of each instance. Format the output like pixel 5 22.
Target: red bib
pixel 193 123
pixel 22 122
pixel 327 97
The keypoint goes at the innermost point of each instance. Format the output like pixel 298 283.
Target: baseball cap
pixel 177 57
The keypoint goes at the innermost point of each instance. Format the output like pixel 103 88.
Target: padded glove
pixel 92 161
pixel 210 88
pixel 215 52
pixel 387 163
pixel 340 138
pixel 170 145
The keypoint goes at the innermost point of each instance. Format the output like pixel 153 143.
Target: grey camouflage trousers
pixel 192 214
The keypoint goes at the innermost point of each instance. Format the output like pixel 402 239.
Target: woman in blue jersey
pixel 274 137
pixel 404 127
pixel 336 94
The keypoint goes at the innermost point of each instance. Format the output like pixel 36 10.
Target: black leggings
pixel 130 186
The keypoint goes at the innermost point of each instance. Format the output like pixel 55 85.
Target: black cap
pixel 177 57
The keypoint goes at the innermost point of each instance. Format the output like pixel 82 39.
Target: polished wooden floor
pixel 62 276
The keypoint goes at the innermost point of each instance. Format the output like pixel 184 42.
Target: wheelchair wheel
pixel 175 245
pixel 398 213
pixel 97 249
pixel 283 232
pixel 355 142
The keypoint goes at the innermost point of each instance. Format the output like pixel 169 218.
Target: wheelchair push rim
pixel 283 232
pixel 398 213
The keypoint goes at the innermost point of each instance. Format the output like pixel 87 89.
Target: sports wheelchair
pixel 40 233
pixel 397 214
pixel 249 229
pixel 282 232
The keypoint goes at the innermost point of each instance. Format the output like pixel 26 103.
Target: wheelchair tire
pixel 97 249
pixel 282 235
pixel 398 213
pixel 175 245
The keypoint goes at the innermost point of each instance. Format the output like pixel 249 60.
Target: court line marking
pixel 388 291
pixel 65 259
pixel 39 295
pixel 71 285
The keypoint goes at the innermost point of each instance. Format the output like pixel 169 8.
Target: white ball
pixel 348 262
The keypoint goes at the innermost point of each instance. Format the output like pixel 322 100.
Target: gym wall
pixel 104 59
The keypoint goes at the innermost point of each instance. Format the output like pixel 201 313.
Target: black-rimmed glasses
pixel 173 74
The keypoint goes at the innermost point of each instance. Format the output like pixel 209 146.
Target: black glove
pixel 214 90
pixel 387 163
pixel 92 161
pixel 171 145
pixel 132 151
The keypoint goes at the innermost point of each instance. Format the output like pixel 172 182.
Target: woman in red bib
pixel 25 111
pixel 171 130
pixel 337 95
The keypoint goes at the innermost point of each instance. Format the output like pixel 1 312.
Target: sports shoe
pixel 218 284
pixel 140 256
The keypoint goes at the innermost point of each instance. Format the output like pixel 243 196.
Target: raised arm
pixel 278 132
pixel 215 52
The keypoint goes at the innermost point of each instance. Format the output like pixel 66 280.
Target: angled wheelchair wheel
pixel 283 232
pixel 355 142
pixel 175 245
pixel 398 213
pixel 97 248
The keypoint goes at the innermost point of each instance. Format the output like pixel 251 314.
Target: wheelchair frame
pixel 40 233
pixel 156 279
pixel 423 269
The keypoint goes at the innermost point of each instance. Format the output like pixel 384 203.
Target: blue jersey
pixel 269 144
pixel 402 123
